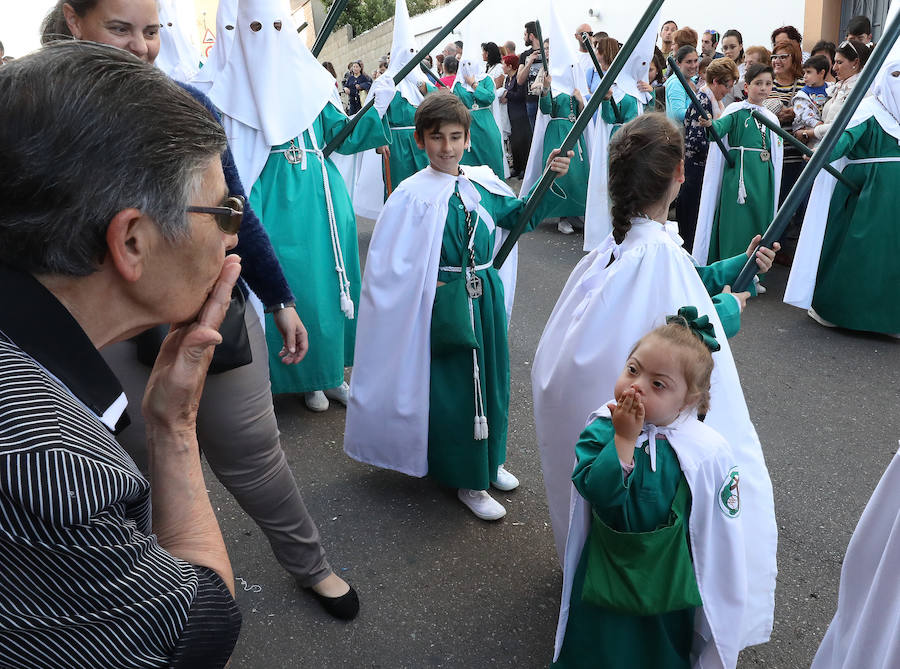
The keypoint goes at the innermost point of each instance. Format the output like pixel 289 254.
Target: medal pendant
pixel 474 287
pixel 573 118
pixel 293 154
pixel 764 156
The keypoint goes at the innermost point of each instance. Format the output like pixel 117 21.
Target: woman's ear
pixel 73 21
pixel 679 172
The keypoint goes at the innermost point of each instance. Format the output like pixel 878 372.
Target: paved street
pixel 440 588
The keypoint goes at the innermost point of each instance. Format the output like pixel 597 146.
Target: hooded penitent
pixel 177 56
pixel 226 16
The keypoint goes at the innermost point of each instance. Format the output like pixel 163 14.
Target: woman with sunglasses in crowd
pixel 236 426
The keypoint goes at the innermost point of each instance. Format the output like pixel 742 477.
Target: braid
pixel 643 156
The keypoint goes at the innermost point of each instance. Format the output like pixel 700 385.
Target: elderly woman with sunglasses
pixel 236 426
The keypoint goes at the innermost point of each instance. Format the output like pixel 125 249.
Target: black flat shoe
pixel 344 607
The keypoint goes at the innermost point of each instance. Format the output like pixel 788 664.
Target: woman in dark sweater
pixel 354 85
pixel 520 127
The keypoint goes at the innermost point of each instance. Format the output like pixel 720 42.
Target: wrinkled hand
pixel 741 297
pixel 293 334
pixel 384 151
pixel 176 380
pixel 558 163
pixel 628 415
pixel 705 122
pixel 764 256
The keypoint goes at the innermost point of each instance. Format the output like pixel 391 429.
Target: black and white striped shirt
pixel 83 581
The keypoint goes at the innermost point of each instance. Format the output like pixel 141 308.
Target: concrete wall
pixel 369 46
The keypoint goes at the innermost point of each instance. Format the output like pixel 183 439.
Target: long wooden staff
pixel 822 154
pixel 339 138
pixel 387 173
pixel 578 128
pixel 328 25
pixel 700 110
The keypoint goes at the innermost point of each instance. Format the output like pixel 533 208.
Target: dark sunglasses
pixel 228 216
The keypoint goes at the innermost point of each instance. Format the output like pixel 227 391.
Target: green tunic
pixel 628 110
pixel 406 157
pixel 569 191
pixel 595 637
pixel 290 202
pixel 734 225
pixel 486 145
pixel 715 277
pixel 455 458
pixel 858 268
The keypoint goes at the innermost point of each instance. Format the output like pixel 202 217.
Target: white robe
pixel 601 314
pixel 712 180
pixel 864 631
pixel 387 414
pixel 719 542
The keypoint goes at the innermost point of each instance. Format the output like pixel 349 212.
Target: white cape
pixel 802 280
pixel 600 315
pixel 226 17
pixel 597 215
pixel 387 414
pixel 719 542
pixel 863 632
pixel 712 179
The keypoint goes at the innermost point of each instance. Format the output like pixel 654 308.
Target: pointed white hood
pixel 226 17
pixel 271 82
pixel 177 56
pixel 471 63
pixel 637 67
pixel 566 66
pixel 403 48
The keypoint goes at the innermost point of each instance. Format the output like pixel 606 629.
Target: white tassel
pixel 742 190
pixel 347 306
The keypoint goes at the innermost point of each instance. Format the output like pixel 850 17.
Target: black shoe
pixel 344 607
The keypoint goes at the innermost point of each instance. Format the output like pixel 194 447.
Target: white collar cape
pixel 712 179
pixel 226 16
pixel 177 56
pixel 271 82
pixel 403 48
pixel 802 280
pixel 387 414
pixel 719 541
pixel 863 632
pixel 602 312
pixel 597 214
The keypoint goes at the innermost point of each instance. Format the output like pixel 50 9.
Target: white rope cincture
pixel 297 155
pixel 742 189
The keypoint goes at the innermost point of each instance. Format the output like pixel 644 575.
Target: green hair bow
pixel 699 325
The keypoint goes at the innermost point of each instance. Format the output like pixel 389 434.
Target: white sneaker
pixel 316 401
pixel 565 227
pixel 505 481
pixel 340 394
pixel 760 289
pixel 481 504
pixel 818 319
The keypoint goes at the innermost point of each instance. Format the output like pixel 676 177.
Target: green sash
pixel 642 573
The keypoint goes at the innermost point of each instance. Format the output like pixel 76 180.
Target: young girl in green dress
pixel 739 200
pixel 649 469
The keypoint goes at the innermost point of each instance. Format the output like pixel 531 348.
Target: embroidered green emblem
pixel 730 495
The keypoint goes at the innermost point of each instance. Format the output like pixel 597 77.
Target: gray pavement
pixel 440 588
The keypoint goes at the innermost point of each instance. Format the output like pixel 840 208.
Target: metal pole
pixel 302 27
pixel 540 37
pixel 822 154
pixel 330 22
pixel 338 139
pixel 578 128
pixel 802 148
pixel 696 104
pixel 586 40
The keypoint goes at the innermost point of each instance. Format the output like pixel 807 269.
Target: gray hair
pixel 87 130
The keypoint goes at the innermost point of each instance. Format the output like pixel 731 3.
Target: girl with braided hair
pixel 615 295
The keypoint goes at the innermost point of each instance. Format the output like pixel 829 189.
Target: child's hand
pixel 628 415
pixel 558 163
pixel 740 297
pixel 764 256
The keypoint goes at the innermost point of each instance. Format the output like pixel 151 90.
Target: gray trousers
pixel 238 434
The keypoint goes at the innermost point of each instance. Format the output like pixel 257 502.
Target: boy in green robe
pixel 427 398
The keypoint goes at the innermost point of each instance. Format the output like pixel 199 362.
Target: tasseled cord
pixel 481 423
pixel 742 190
pixel 343 282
